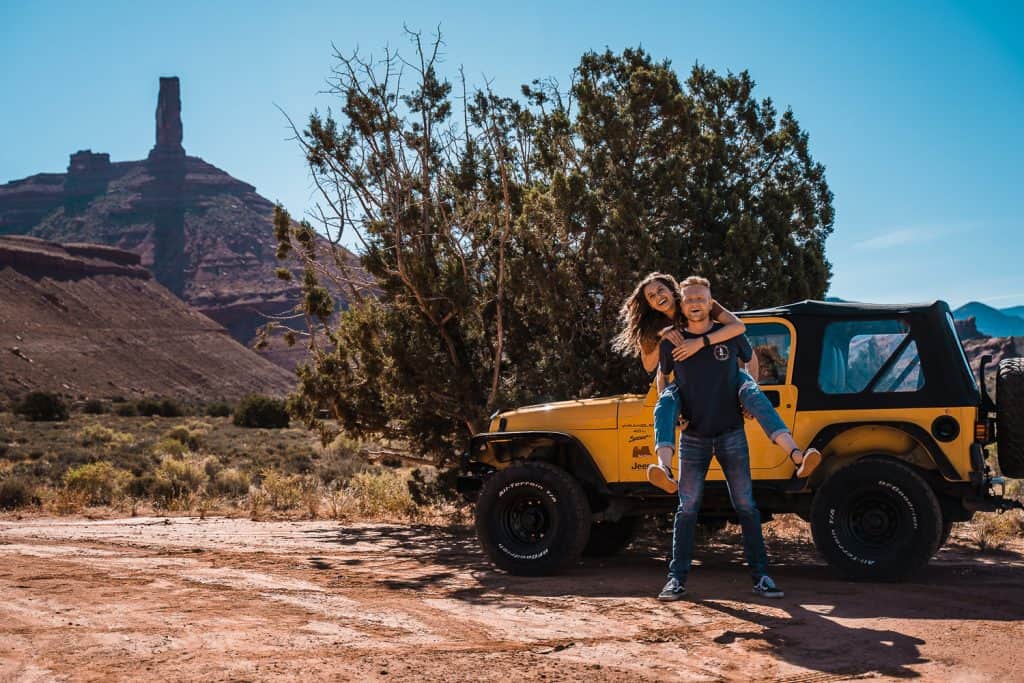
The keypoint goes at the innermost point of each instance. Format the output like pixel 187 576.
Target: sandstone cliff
pixel 206 236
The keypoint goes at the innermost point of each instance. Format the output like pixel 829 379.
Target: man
pixel 706 383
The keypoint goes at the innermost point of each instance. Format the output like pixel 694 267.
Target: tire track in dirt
pixel 232 599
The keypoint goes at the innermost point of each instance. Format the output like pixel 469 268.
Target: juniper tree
pixel 498 236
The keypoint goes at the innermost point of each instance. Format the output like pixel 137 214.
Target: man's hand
pixel 686 348
pixel 672 334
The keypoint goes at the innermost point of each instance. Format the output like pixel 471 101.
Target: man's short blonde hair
pixel 695 281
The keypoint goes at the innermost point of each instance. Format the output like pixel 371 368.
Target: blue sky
pixel 914 108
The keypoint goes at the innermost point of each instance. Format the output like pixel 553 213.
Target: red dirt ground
pixel 148 599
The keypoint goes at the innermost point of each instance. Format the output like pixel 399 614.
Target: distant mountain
pixel 206 236
pixel 1014 310
pixel 991 321
pixel 89 321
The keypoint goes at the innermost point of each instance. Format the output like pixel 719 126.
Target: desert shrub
pixel 100 482
pixel 218 409
pixel 283 491
pixel 169 408
pixel 188 437
pixel 147 407
pixel 126 410
pixel 140 486
pixel 177 481
pixel 68 501
pixel 992 531
pixel 98 435
pixel 381 493
pixel 42 406
pixel 15 493
pixel 261 411
pixel 229 482
pixel 94 406
pixel 171 447
pixel 312 493
pixel 430 486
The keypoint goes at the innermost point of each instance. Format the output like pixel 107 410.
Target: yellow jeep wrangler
pixel 884 392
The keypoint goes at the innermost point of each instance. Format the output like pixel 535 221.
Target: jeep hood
pixel 563 416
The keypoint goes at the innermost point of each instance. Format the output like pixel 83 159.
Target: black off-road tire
pixel 610 538
pixel 876 520
pixel 1010 422
pixel 532 519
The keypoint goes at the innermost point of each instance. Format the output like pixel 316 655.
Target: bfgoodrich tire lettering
pixel 532 518
pixel 1010 421
pixel 876 519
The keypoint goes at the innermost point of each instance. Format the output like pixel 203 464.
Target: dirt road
pixel 229 599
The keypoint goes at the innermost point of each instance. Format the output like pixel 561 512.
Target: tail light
pixel 982 433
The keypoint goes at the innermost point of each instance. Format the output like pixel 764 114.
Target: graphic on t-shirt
pixel 721 352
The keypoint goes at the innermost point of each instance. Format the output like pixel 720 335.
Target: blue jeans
pixel 753 400
pixel 695 455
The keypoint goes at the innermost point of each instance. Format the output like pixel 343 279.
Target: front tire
pixel 532 519
pixel 877 520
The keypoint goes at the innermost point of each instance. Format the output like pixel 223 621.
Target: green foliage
pixel 149 407
pixel 169 446
pixel 229 482
pixel 283 491
pixel 126 410
pixel 218 409
pixel 94 406
pixel 15 493
pixel 187 437
pixel 502 240
pixel 98 435
pixel 381 493
pixel 178 481
pixel 261 411
pixel 99 482
pixel 42 406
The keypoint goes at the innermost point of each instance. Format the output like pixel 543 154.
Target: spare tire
pixel 1010 420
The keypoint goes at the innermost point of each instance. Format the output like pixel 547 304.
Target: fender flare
pixel 824 437
pixel 572 455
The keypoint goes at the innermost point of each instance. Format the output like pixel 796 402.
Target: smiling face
pixel 658 296
pixel 696 303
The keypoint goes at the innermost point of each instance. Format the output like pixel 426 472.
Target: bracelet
pixel 707 342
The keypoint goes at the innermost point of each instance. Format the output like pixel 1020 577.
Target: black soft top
pixel 846 309
pixel 948 380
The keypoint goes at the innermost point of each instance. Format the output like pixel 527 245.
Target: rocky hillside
pixel 90 321
pixel 978 345
pixel 206 236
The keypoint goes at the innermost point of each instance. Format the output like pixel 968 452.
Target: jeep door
pixel 774 344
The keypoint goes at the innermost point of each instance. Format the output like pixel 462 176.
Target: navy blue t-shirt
pixel 708 382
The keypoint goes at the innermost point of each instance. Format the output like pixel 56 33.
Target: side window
pixel 869 355
pixel 771 343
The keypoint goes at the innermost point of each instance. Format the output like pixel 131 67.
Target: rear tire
pixel 877 520
pixel 610 538
pixel 532 519
pixel 1010 420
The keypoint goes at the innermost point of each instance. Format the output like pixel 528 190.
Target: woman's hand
pixel 672 334
pixel 686 348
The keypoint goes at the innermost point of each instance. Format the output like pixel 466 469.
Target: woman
pixel 652 313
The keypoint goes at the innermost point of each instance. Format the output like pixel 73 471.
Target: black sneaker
pixel 673 590
pixel 766 588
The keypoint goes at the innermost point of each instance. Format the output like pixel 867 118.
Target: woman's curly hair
pixel 641 323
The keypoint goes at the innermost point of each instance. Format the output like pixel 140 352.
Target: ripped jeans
pixel 753 400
